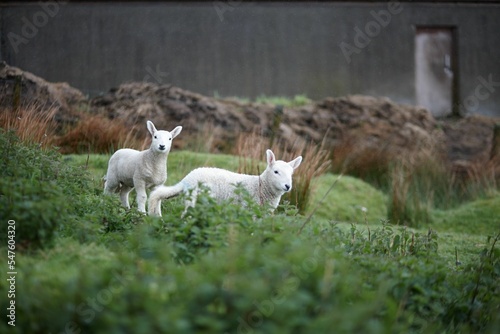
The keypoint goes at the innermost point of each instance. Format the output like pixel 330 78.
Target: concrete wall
pixel 248 49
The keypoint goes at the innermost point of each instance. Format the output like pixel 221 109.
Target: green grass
pixel 343 204
pixel 347 199
pixel 295 101
pixel 228 269
pixel 480 217
pixel 179 163
pixel 465 227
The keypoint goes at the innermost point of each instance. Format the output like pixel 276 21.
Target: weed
pixel 99 134
pixel 228 267
pixel 32 123
pixel 34 186
pixel 206 225
pixel 296 101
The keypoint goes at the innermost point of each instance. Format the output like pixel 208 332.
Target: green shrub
pixel 205 226
pixel 229 268
pixel 38 209
pixel 31 192
pixel 42 194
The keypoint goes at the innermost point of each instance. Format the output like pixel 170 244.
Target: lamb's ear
pixel 271 159
pixel 151 127
pixel 295 162
pixel 175 132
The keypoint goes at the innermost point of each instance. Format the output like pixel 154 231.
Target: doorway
pixel 435 63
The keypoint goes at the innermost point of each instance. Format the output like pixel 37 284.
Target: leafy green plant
pixel 33 188
pixel 206 225
pixel 385 240
pixel 228 267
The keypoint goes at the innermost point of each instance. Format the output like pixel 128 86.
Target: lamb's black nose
pixel 287 187
pixel 162 147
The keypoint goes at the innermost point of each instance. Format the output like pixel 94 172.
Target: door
pixel 434 64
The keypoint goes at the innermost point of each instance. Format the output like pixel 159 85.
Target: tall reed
pixel 417 179
pixel 99 134
pixel 32 123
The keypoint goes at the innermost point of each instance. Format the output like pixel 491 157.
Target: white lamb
pixel 266 188
pixel 129 169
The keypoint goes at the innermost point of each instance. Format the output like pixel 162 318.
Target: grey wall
pixel 250 48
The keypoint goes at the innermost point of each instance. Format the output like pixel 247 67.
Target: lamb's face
pixel 162 140
pixel 279 173
pixel 280 176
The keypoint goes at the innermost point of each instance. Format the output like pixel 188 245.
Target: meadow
pixel 337 265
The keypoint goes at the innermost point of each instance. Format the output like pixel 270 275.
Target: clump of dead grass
pixel 416 180
pixel 33 123
pixel 99 134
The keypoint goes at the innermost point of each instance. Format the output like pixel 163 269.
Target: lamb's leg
pixel 124 191
pixel 160 193
pixel 154 203
pixel 142 196
pixel 111 186
pixel 190 201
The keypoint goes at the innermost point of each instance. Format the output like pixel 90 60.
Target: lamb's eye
pixel 276 172
pixel 169 138
pixel 156 137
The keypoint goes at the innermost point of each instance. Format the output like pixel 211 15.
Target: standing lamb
pixel 129 169
pixel 265 188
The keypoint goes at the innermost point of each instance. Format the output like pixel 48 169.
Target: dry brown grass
pixel 368 162
pixel 98 134
pixel 315 161
pixel 416 180
pixel 205 139
pixel 32 124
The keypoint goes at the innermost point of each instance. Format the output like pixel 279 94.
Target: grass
pixel 418 180
pixel 96 133
pixel 344 204
pixel 32 123
pixel 180 163
pixel 479 217
pixel 416 183
pixel 295 101
pixel 285 101
pixel 224 268
pixel 465 227
pixel 346 201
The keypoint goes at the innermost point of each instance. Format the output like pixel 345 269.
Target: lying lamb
pixel 266 188
pixel 129 169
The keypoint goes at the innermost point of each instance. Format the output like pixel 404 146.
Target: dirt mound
pixel 366 123
pixel 369 121
pixel 169 106
pixel 23 89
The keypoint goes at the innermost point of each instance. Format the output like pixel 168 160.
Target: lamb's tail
pixel 160 193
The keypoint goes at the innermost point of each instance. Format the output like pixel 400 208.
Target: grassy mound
pixel 349 200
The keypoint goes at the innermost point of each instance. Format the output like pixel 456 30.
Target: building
pixel 444 55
